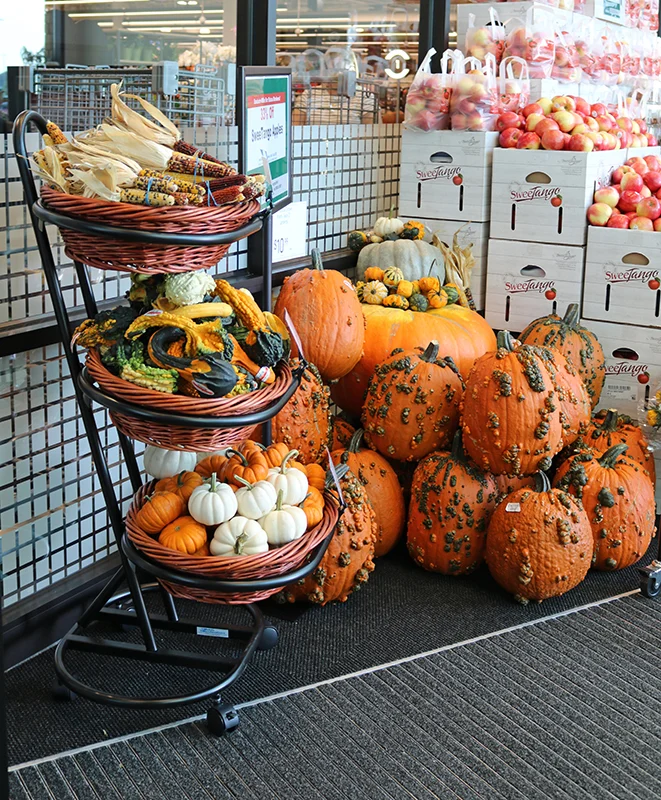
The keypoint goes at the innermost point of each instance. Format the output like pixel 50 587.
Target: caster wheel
pixel 651 586
pixel 62 693
pixel 222 719
pixel 268 639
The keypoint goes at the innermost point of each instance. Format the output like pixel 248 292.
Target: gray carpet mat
pixel 402 611
pixel 565 708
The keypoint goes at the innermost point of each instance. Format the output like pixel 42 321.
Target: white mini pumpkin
pixel 291 481
pixel 212 503
pixel 285 523
pixel 255 499
pixel 160 463
pixel 239 537
pixel 386 226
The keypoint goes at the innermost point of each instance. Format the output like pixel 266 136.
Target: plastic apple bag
pixel 483 39
pixel 474 103
pixel 428 99
pixel 610 59
pixel 649 18
pixel 584 44
pixel 533 40
pixel 513 85
pixel 566 65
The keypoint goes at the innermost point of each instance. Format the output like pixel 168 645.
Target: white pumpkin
pixel 212 502
pixel 386 226
pixel 239 537
pixel 255 499
pixel 285 523
pixel 161 463
pixel 292 482
pixel 414 258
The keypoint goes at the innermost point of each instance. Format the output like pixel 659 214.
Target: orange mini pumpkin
pixel 182 484
pixel 158 510
pixel 313 505
pixel 184 534
pixel 252 467
pixel 210 465
pixel 316 476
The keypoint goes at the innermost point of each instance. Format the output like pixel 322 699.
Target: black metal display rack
pixel 128 608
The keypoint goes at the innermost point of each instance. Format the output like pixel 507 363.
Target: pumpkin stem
pixel 240 541
pixel 290 454
pixel 571 316
pixel 355 441
pixel 612 454
pixel 609 424
pixel 542 483
pixel 431 267
pixel 242 458
pixel 316 260
pixel 392 211
pixel 431 352
pixel 278 502
pixel 506 340
pixel 213 482
pixel 458 447
pixel 243 481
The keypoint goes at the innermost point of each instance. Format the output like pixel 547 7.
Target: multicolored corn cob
pixel 142 197
pixel 55 133
pixel 191 150
pixel 179 162
pixel 232 194
pixel 163 184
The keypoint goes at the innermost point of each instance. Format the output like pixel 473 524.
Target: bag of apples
pixel 474 103
pixel 483 39
pixel 513 85
pixel 566 66
pixel 584 44
pixel 428 99
pixel 608 56
pixel 533 40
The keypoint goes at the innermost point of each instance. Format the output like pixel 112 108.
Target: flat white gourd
pixel 284 524
pixel 212 503
pixel 255 499
pixel 239 536
pixel 160 463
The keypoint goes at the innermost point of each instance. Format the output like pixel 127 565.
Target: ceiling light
pixel 182 2
pixel 88 2
pixel 204 31
pixel 138 14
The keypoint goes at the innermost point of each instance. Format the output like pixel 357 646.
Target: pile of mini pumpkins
pixel 389 288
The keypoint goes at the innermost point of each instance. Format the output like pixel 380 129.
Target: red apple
pixel 657 225
pixel 643 129
pixel 598 109
pixel 618 221
pixel 550 294
pixel 646 192
pixel 638 165
pixel 629 201
pixel 546 124
pixel 641 224
pixel 618 173
pixel 581 143
pixel 533 120
pixel 508 119
pixel 625 138
pixel 510 137
pixel 553 140
pixel 582 128
pixel 630 215
pixel 582 106
pixel 635 127
pixel 458 122
pixel 618 188
pixel 565 120
pixel 603 123
pixel 654 284
pixel 625 124
pixel 529 141
pixel 644 378
pixel 649 207
pixel 599 214
pixel 563 103
pixel 653 163
pixel 597 138
pixel 652 141
pixel 532 108
pixel 652 179
pixel 608 195
pixel 545 103
pixel 631 182
pixel 458 180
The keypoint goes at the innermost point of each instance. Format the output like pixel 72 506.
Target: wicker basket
pixel 173 436
pixel 278 561
pixel 110 253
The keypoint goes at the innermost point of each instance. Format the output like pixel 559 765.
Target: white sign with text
pixel 290 229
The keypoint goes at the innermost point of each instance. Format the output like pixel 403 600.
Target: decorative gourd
pixel 412 405
pixel 429 284
pixel 212 503
pixel 255 499
pixel 239 537
pixel 374 293
pixel 451 504
pixel 285 523
pixel 252 466
pixel 313 506
pixel 387 226
pixel 609 428
pixel 418 302
pixel 413 258
pixel 451 292
pixel 539 542
pixel 327 316
pixel 159 510
pixel 340 434
pixel 413 230
pixel 573 397
pixel 577 344
pixel 618 496
pixel 437 299
pixel 392 276
pixel 360 287
pixel 316 475
pixel 396 301
pixel 348 561
pixel 510 411
pixel 184 534
pixel 357 240
pixel 465 336
pixel 382 487
pixel 405 289
pixel 182 484
pixel 210 464
pixel 160 463
pixel 374 274
pixel 290 481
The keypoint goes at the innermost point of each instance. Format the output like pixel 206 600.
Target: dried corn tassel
pixel 164 185
pixel 163 131
pixel 55 134
pixel 459 263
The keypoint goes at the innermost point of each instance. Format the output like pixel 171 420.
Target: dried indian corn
pixel 190 150
pixel 162 184
pixel 179 162
pixel 142 197
pixel 55 133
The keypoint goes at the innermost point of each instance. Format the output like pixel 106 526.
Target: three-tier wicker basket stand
pixel 142 574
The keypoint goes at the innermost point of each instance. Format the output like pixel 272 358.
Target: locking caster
pixel 650 583
pixel 222 719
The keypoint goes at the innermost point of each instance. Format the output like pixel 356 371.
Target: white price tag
pixel 290 230
pixel 514 507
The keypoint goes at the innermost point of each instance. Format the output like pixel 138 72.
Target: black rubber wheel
pixel 268 639
pixel 222 719
pixel 62 693
pixel 650 587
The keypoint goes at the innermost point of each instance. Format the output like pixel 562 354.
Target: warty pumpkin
pixel 618 496
pixel 576 343
pixel 510 411
pixel 451 503
pixel 182 484
pixel 507 484
pixel 573 400
pixel 327 315
pixel 341 432
pixel 412 405
pixel 464 334
pixel 383 490
pixel 539 542
pixel 159 510
pixel 348 561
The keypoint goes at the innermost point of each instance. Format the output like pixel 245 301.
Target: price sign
pixel 266 134
pixel 611 10
pixel 290 227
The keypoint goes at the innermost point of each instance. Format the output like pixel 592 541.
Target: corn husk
pixel 147 153
pixel 82 151
pixel 102 182
pixel 163 131
pixel 459 264
pixel 48 165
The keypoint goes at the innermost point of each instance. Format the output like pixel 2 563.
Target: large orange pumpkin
pixel 326 313
pixel 412 404
pixel 539 542
pixel 577 344
pixel 463 334
pixel 341 432
pixel 348 561
pixel 451 504
pixel 618 497
pixel 575 408
pixel 510 483
pixel 510 414
pixel 383 490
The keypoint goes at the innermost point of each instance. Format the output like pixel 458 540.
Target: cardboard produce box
pixel 446 175
pixel 543 195
pixel 633 365
pixel 475 233
pixel 527 280
pixel 621 282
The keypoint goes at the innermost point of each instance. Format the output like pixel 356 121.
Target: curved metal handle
pixel 21 125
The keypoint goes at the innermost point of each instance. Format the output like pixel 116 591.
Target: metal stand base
pixel 650 579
